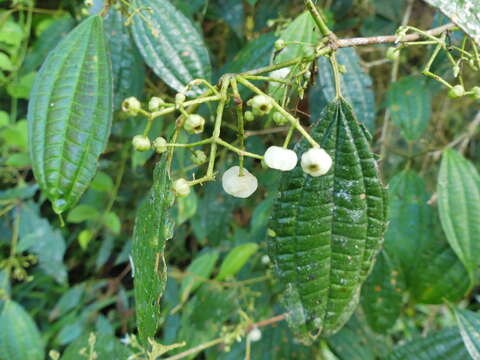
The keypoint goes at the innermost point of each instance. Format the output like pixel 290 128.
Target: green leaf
pixel 469 324
pixel 328 229
pixel 69 301
pixel 446 344
pixel 236 258
pixel 15 136
pixel 20 192
pixel 459 205
pixel 82 213
pixel 4 118
pixel 127 64
pixel 5 62
pixel 382 294
pixel 106 347
pixel 39 237
pixel 356 86
pixel 200 268
pixel 187 207
pixel 19 336
pixel 464 13
pixel 170 44
pixel 11 33
pixel 20 88
pixel 112 222
pixel 153 227
pixel 102 182
pixel 409 103
pixel 70 114
pixel 304 30
pixel 47 41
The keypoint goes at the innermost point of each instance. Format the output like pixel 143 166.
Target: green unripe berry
pixel 279 118
pixel 160 145
pixel 280 44
pixel 141 143
pixel 476 92
pixel 155 103
pixel 392 53
pixel 131 106
pixel 199 157
pixel 261 104
pixel 248 116
pixel 456 91
pixel 194 124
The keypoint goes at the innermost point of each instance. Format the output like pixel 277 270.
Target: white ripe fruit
pixel 160 145
pixel 131 106
pixel 254 335
pixel 316 162
pixel 141 143
pixel 181 188
pixel 155 103
pixel 279 158
pixel 194 124
pixel 239 186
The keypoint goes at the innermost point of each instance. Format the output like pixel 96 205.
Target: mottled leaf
pixel 70 113
pixel 170 44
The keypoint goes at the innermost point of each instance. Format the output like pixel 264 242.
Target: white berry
pixel 316 162
pixel 239 186
pixel 155 103
pixel 141 143
pixel 254 335
pixel 261 104
pixel 194 124
pixel 280 159
pixel 181 188
pixel 131 106
pixel 160 145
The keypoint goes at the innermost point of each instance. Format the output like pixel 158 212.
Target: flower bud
pixel 155 103
pixel 316 162
pixel 131 106
pixel 181 188
pixel 261 104
pixel 279 118
pixel 342 68
pixel 392 53
pixel 239 186
pixel 280 159
pixel 194 124
pixel 456 91
pixel 199 157
pixel 280 44
pixel 141 143
pixel 254 335
pixel 160 145
pixel 180 99
pixel 248 116
pixel 476 92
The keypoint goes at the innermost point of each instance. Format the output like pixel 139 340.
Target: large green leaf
pixel 19 336
pixel 464 13
pixel 153 227
pixel 382 294
pixel 459 204
pixel 469 324
pixel 200 268
pixel 356 86
pixel 170 44
pixel 327 230
pixel 127 64
pixel 409 102
pixel 304 33
pixel 446 344
pixel 70 113
pixel 235 260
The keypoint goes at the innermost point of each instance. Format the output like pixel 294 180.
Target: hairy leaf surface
pixel 153 227
pixel 469 324
pixel 329 228
pixel 70 114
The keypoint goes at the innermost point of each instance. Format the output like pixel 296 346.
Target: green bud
pixel 199 157
pixel 456 91
pixel 180 99
pixel 261 104
pixel 279 118
pixel 194 124
pixel 141 143
pixel 160 145
pixel 155 103
pixel 342 68
pixel 392 53
pixel 248 116
pixel 476 92
pixel 280 44
pixel 131 106
pixel 181 188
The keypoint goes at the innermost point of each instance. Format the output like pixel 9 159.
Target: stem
pixel 266 78
pixel 317 17
pixel 280 109
pixel 218 125
pixel 193 102
pixel 236 150
pixel 237 99
pixel 336 75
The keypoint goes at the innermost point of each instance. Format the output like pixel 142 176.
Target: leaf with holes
pixel 328 229
pixel 153 227
pixel 70 114
pixel 464 13
pixel 459 204
pixel 170 44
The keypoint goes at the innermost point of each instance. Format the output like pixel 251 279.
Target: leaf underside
pixel 328 229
